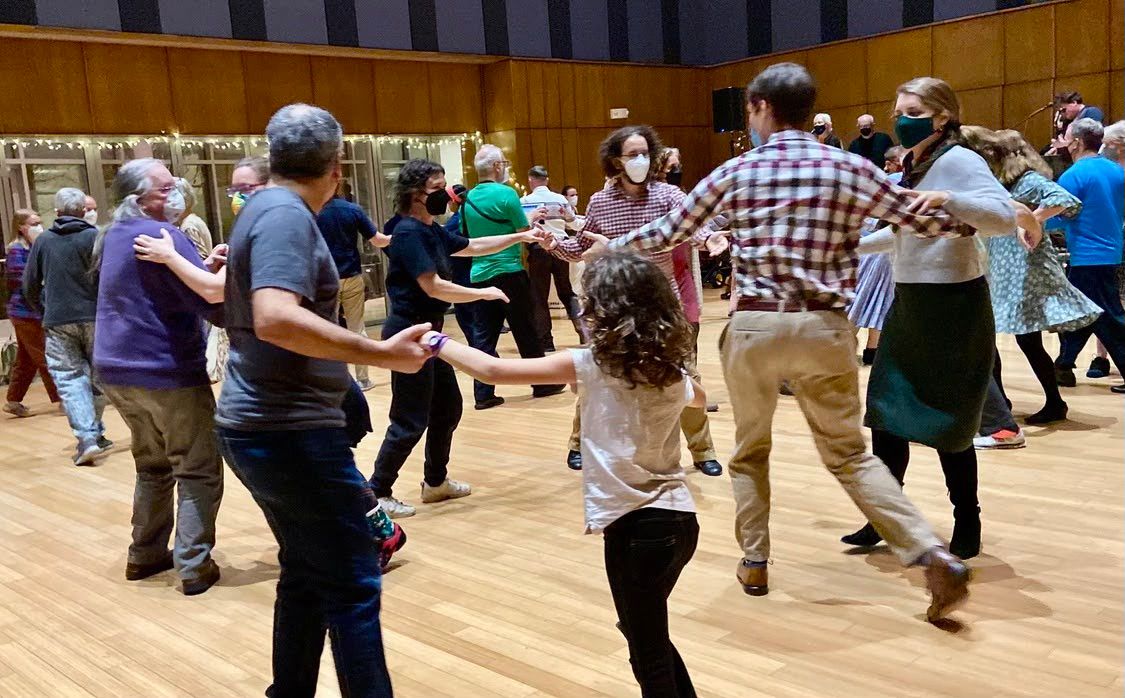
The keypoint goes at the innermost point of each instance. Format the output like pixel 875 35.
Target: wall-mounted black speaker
pixel 728 109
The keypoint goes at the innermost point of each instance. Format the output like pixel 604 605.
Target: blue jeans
pixel 70 352
pixel 315 501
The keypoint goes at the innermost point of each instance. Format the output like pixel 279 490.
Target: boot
pixel 965 543
pixel 869 357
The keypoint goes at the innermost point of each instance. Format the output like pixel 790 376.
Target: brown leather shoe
pixel 754 578
pixel 135 572
pixel 948 581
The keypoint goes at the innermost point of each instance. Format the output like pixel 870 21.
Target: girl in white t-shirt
pixel 633 385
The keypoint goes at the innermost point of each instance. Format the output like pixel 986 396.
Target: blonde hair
pixel 1007 153
pixel 189 194
pixel 19 218
pixel 936 94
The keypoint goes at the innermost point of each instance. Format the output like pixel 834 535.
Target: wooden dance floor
pixel 500 594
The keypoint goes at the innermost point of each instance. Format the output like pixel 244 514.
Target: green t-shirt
pixel 501 202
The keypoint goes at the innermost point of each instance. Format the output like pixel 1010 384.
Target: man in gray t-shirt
pixel 280 422
pixel 276 244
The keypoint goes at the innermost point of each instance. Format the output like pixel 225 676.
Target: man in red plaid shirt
pixel 631 199
pixel 796 208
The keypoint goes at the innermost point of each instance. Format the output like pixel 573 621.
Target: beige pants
pixel 693 423
pixel 816 353
pixel 352 300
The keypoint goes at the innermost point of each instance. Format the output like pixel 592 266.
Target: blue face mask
pixel 755 138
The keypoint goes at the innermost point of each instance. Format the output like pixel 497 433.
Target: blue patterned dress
pixel 875 281
pixel 1030 292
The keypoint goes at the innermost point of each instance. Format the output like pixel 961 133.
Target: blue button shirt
pixel 340 222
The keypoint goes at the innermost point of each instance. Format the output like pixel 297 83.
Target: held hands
pixel 218 258
pixel 541 236
pixel 926 201
pixel 380 240
pixel 717 244
pixel 160 250
pixel 405 351
pixel 599 248
pixel 537 215
pixel 492 294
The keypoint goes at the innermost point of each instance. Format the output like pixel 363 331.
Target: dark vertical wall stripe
pixel 248 19
pixel 759 27
pixel 917 12
pixel 139 16
pixel 618 29
pixel 339 15
pixel 496 28
pixel 558 22
pixel 423 25
pixel 833 20
pixel 18 12
pixel 670 22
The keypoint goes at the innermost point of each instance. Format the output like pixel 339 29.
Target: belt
pixel 777 306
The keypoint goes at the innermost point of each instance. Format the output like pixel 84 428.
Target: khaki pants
pixel 693 423
pixel 816 353
pixel 352 301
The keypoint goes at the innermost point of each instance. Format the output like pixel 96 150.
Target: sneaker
pixel 104 443
pixel 396 509
pixel 1099 368
pixel 366 384
pixel 390 545
pixel 450 489
pixel 17 408
pixel 1004 439
pixel 1119 389
pixel 1065 377
pixel 574 460
pixel 86 454
pixel 712 407
pixel 784 389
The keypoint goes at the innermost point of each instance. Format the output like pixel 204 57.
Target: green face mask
pixel 912 130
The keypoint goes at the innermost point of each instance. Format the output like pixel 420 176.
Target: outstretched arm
pixel 557 368
pixel 490 245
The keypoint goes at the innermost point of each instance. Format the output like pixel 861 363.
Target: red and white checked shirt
pixel 796 208
pixel 611 213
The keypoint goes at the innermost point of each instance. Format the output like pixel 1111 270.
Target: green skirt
pixel 934 364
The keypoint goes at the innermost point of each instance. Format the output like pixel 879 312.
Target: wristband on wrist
pixel 436 342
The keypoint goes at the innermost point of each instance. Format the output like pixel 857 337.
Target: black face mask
pixel 819 129
pixel 866 131
pixel 675 177
pixel 437 202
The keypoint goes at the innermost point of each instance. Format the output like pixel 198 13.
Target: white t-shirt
pixel 630 445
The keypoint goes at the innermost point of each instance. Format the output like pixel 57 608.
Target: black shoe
pixel 1049 413
pixel 965 543
pixel 868 357
pixel 709 467
pixel 104 443
pixel 194 587
pixel 494 401
pixel 1119 389
pixel 134 572
pixel 713 407
pixel 865 537
pixel 548 390
pixel 784 389
pixel 549 348
pixel 574 460
pixel 1065 377
pixel 1099 368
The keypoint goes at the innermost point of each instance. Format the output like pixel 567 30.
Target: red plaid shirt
pixel 796 208
pixel 611 213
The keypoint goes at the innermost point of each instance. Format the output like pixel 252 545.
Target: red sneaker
pixel 390 545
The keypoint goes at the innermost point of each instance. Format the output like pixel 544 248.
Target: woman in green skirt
pixel 934 364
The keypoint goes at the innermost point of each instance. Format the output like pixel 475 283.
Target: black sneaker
pixel 1065 377
pixel 1119 389
pixel 548 390
pixel 1099 368
pixel 574 460
pixel 494 401
pixel 104 443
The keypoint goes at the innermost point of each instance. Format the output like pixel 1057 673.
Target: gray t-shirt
pixel 276 244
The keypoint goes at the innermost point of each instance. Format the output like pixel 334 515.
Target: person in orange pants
pixel 26 323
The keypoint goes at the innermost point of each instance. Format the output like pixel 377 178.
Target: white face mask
pixel 572 200
pixel 174 206
pixel 636 169
pixel 35 231
pixel 90 217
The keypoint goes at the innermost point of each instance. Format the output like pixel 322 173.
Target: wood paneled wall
pixel 1003 66
pixel 75 87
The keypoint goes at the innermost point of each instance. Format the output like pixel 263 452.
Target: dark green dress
pixel 934 363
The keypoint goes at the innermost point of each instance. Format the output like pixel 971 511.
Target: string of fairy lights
pixel 467 141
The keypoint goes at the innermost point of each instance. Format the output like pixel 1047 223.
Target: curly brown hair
pixel 610 149
pixel 638 331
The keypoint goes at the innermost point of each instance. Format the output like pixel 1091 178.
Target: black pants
pixel 960 469
pixel 1099 283
pixel 542 266
pixel 429 402
pixel 489 317
pixel 645 551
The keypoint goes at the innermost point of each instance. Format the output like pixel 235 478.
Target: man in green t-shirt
pixel 493 208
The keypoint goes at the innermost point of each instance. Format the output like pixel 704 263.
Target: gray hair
pixel 130 184
pixel 1115 132
pixel 70 201
pixel 486 157
pixel 188 191
pixel 305 142
pixel 259 164
pixel 1089 132
pixel 823 116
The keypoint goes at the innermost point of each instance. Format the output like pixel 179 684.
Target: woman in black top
pixel 420 291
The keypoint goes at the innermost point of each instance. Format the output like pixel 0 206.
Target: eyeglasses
pixel 506 163
pixel 166 189
pixel 240 189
